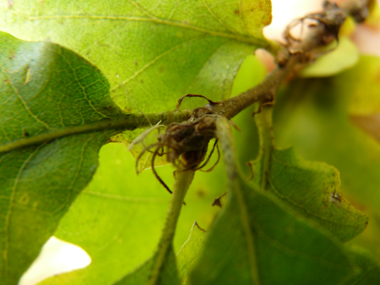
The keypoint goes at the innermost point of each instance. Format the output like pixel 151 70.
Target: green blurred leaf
pixel 370 238
pixel 45 89
pixel 370 268
pixel 190 251
pixel 161 50
pixel 344 56
pixel 312 189
pixel 313 116
pixel 361 85
pixel 247 245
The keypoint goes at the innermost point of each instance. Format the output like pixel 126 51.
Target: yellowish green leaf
pixel 160 50
pixel 344 56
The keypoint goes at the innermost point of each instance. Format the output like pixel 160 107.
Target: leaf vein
pixel 305 210
pixel 215 17
pixel 83 88
pixel 23 102
pixel 143 10
pixel 128 199
pixel 153 61
pixel 12 198
pixel 238 37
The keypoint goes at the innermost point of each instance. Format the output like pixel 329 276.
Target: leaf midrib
pixel 249 236
pixel 254 41
pixel 124 122
pixel 224 134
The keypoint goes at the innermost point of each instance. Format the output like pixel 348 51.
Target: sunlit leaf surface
pixel 160 50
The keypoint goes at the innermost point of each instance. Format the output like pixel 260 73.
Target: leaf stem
pixel 265 129
pixel 225 137
pixel 182 182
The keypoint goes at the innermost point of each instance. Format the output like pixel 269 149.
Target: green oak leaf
pixel 44 90
pixel 247 245
pixel 310 188
pixel 314 116
pixel 160 50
